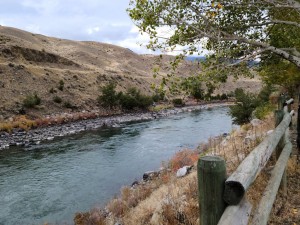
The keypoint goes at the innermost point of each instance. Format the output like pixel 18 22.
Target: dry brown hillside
pixel 35 63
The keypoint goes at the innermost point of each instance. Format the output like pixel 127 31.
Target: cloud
pixel 93 30
pixel 42 6
pixel 136 42
pixel 83 20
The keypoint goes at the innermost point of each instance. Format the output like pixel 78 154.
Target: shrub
pixel 52 91
pixel 178 102
pixel 20 122
pixel 134 99
pixel 109 97
pixel 263 110
pixel 61 85
pixel 94 217
pixel 31 100
pixel 129 100
pixel 264 94
pixel 182 158
pixel 69 105
pixel 158 97
pixel 57 99
pixel 7 127
pixel 245 104
pixel 117 207
pixel 224 96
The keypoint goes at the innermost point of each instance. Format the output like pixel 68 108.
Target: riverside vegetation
pixel 113 102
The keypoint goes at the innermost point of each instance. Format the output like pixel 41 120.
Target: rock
pixel 249 138
pixel 149 175
pixel 183 171
pixel 224 143
pixel 135 183
pixel 225 134
pixel 256 122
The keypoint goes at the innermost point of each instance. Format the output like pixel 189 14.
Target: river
pixel 52 181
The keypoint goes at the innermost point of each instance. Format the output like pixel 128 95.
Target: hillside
pixel 35 63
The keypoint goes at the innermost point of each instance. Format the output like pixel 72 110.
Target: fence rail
pixel 234 188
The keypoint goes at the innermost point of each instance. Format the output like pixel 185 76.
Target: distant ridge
pixel 34 63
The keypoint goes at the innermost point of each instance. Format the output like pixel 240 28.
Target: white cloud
pixel 93 30
pixel 86 20
pixel 137 42
pixel 42 6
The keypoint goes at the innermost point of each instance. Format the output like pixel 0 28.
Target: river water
pixel 52 181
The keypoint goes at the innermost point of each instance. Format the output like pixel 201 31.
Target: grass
pixel 160 107
pixel 24 123
pixel 19 122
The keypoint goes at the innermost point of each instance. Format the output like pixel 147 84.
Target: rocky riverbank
pixel 38 135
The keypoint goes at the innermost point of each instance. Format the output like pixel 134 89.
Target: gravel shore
pixel 38 135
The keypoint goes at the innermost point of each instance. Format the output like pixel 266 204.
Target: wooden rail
pixel 239 209
pixel 240 180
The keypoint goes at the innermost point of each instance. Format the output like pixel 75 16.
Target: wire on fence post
pixel 211 180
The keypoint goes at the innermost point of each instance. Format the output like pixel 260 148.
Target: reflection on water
pixel 52 181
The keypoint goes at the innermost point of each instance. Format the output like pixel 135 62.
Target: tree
pixel 274 69
pixel 245 104
pixel 109 96
pixel 193 87
pixel 239 30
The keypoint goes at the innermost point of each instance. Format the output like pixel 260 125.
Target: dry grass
pixel 19 122
pixel 183 158
pixel 24 123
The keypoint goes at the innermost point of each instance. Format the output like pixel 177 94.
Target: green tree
pixel 109 96
pixel 134 99
pixel 238 30
pixel 274 69
pixel 193 87
pixel 245 104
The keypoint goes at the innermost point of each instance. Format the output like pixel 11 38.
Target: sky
pixel 83 20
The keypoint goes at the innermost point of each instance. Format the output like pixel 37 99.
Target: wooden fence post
pixel 281 101
pixel 278 118
pixel 298 127
pixel 211 179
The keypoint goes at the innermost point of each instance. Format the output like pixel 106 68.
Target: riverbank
pixel 38 135
pixel 170 200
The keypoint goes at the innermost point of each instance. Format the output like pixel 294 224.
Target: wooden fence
pixel 215 191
